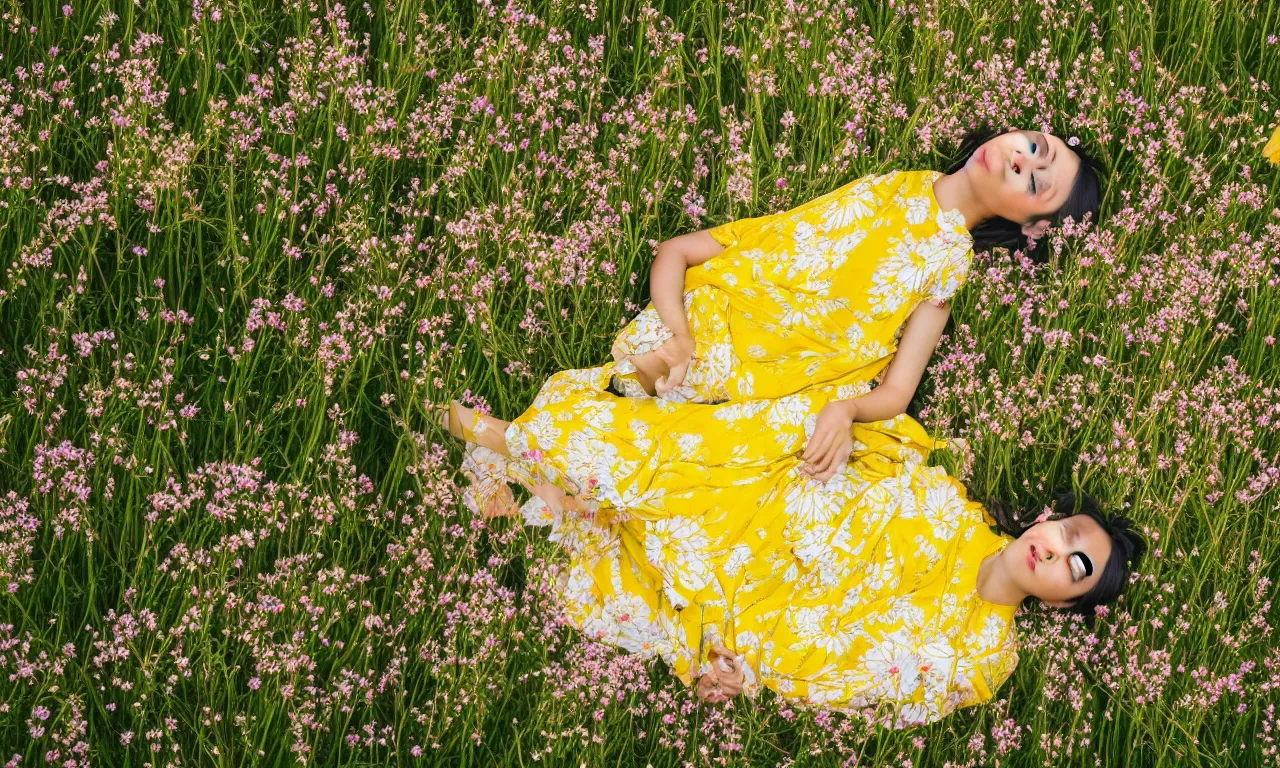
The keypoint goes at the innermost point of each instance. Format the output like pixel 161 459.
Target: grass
pixel 311 222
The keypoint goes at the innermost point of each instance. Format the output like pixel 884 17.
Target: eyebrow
pixel 1049 148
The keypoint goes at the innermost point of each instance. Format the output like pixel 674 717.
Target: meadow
pixel 248 245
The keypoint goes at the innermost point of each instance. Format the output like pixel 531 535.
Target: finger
pixel 817 444
pixel 705 686
pixel 711 693
pixel 832 459
pixel 676 376
pixel 817 461
pixel 839 457
pixel 826 464
pixel 829 473
pixel 810 468
pixel 845 454
pixel 811 445
pixel 729 689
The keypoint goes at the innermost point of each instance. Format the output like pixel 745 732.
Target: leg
pixel 491 431
pixel 489 475
pixel 478 428
pixel 484 461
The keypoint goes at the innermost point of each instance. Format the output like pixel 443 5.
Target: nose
pixel 1049 550
pixel 1023 162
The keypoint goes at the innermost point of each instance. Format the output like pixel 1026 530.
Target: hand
pixel 676 352
pixel 724 681
pixel 829 448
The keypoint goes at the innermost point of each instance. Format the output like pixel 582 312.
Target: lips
pixel 985 156
pixel 1031 557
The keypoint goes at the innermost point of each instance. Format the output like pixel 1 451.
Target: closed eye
pixel 1032 175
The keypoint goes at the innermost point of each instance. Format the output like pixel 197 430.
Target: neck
pixel 994 583
pixel 955 192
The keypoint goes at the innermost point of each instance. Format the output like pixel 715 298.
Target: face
pixel 1058 560
pixel 1024 176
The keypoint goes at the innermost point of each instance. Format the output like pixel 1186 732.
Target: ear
pixel 1034 231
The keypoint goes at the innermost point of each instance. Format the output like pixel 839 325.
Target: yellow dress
pixel 697 526
pixel 814 296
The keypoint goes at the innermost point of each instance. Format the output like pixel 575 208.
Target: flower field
pixel 249 245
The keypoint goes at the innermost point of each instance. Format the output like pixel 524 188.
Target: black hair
pixel 998 232
pixel 1127 546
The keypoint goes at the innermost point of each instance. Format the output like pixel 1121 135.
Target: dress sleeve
pixel 992 669
pixel 885 447
pixel 951 276
pixel 965 685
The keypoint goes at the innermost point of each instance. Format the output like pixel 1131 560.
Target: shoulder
pixel 912 201
pixel 883 185
pixel 912 182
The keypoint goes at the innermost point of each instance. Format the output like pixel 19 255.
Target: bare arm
pixel 831 443
pixel 666 283
pixel 919 338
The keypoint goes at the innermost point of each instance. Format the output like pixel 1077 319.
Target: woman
pixel 707 530
pixel 817 296
pixel 694 535
pixel 845 296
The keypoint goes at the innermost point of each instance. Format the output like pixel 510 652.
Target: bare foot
pixel 486 492
pixel 557 499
